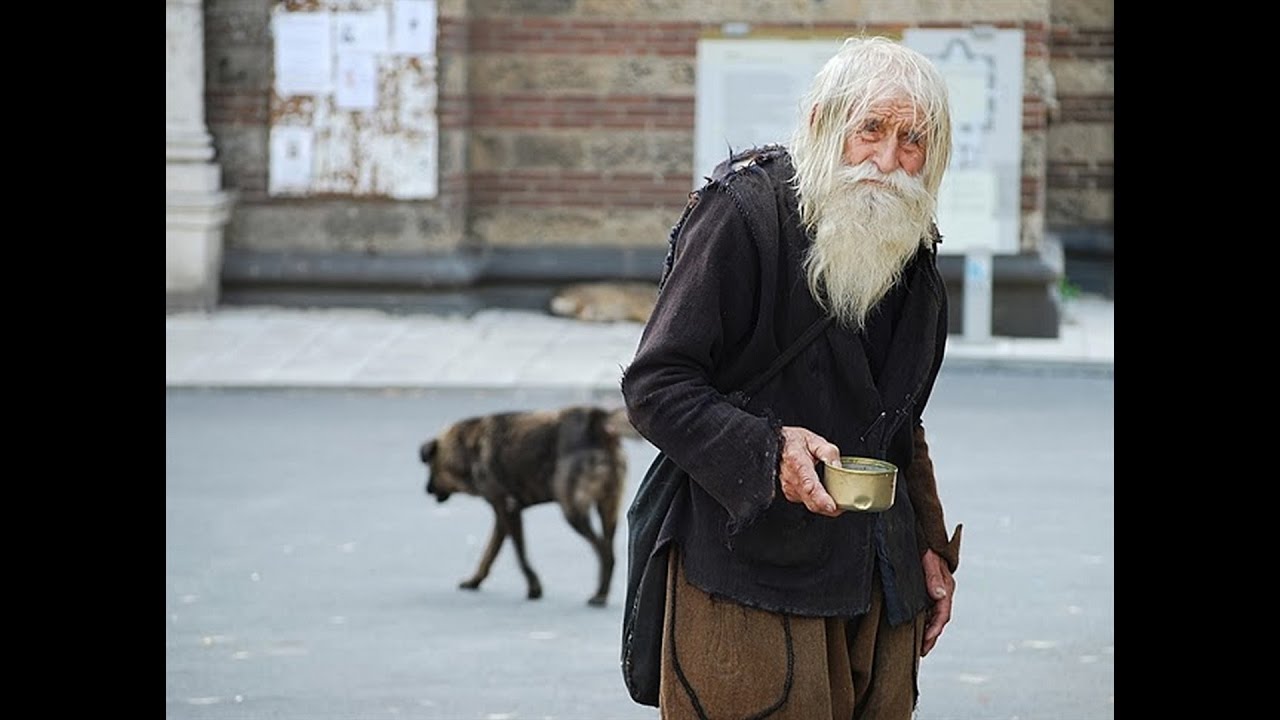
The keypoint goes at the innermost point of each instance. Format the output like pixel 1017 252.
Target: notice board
pixel 749 90
pixel 353 107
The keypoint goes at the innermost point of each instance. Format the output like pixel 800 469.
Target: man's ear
pixel 427 451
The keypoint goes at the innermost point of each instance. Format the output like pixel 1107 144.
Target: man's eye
pixel 915 137
pixel 871 126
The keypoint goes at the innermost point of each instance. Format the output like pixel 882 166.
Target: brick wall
pixel 1081 162
pixel 571 122
pixel 237 70
pixel 583 110
pixel 582 127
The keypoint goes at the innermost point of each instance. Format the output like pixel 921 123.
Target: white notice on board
pixel 749 93
pixel 967 209
pixel 291 153
pixel 357 81
pixel 414 27
pixel 361 31
pixel 413 176
pixel 302 53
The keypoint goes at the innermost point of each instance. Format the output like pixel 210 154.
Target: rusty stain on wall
pixel 293 110
pixel 303 5
pixel 388 151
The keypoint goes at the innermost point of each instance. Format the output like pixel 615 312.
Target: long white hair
pixel 865 72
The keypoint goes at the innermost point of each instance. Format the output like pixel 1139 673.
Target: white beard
pixel 864 236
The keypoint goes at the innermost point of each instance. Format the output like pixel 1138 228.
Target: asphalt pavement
pixel 309 577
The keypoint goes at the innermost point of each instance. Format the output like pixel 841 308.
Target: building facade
pixel 562 136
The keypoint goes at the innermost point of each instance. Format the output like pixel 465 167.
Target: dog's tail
pixel 620 424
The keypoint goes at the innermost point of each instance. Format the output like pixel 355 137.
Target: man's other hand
pixel 941 587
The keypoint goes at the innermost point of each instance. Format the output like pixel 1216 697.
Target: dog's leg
pixel 608 510
pixel 490 552
pixel 516 528
pixel 608 507
pixel 584 479
pixel 580 521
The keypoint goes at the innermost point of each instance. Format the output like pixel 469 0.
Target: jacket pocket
pixel 786 535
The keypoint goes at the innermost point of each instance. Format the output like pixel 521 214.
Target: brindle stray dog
pixel 572 456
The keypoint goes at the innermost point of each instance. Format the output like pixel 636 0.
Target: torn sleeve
pixel 706 305
pixel 922 488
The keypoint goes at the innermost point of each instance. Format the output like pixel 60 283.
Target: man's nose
pixel 885 154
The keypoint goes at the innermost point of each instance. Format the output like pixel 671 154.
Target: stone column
pixel 195 207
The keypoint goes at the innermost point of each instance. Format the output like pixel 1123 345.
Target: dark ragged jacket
pixel 734 297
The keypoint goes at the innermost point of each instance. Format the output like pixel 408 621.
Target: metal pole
pixel 977 295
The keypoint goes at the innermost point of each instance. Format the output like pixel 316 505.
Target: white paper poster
pixel 291 153
pixel 749 92
pixel 357 81
pixel 967 89
pixel 967 202
pixel 414 175
pixel 980 205
pixel 303 53
pixel 361 31
pixel 414 27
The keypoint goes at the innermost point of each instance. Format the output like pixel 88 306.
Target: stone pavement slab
pixel 366 348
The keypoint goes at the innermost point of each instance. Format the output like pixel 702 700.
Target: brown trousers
pixel 724 661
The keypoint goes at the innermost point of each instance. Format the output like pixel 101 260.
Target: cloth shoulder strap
pixel 787 356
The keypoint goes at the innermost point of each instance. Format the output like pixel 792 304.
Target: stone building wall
pixel 562 122
pixel 583 110
pixel 1080 206
pixel 1081 159
pixel 568 125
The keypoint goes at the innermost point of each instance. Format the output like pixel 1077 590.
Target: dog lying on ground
pixel 571 456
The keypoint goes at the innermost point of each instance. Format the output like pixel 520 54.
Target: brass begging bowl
pixel 860 483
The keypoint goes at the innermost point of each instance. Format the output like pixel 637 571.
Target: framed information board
pixel 353 101
pixel 749 92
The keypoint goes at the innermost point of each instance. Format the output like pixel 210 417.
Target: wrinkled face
pixel 443 477
pixel 891 136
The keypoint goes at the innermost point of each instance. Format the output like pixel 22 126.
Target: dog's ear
pixel 427 451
